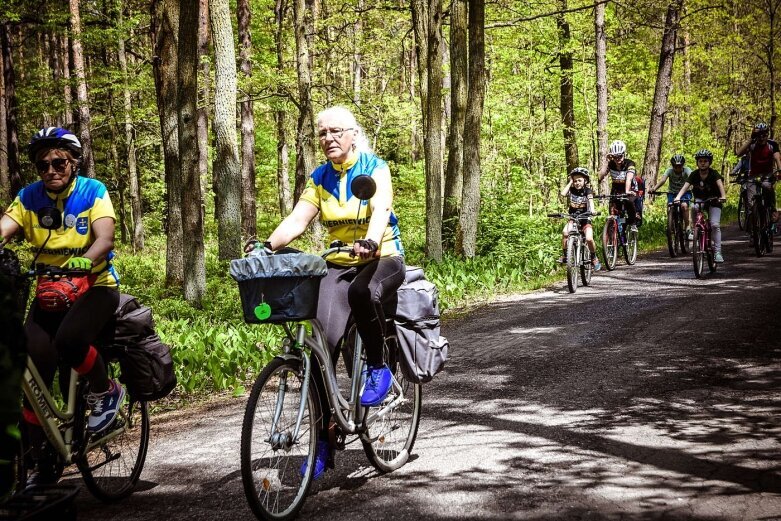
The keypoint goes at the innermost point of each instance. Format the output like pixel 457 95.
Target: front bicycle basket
pixel 278 288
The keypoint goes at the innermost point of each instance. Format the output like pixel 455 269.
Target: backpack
pixel 422 350
pixel 146 363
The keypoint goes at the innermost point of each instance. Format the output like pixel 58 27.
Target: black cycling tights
pixel 64 338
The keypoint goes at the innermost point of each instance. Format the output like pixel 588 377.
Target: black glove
pixel 368 244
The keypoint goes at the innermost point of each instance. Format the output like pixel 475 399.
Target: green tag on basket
pixel 262 311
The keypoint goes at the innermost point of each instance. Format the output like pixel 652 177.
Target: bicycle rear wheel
pixel 682 237
pixel 389 439
pixel 572 263
pixel 742 209
pixel 610 244
pixel 630 250
pixel 112 465
pixel 698 253
pixel 271 458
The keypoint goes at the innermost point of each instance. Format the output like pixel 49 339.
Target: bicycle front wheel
pixel 630 250
pixel 572 264
pixel 276 464
pixel 672 236
pixel 698 253
pixel 742 208
pixel 389 439
pixel 113 463
pixel 757 229
pixel 610 244
pixel 586 268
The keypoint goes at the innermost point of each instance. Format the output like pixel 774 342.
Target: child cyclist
pixel 580 199
pixel 677 174
pixel 705 182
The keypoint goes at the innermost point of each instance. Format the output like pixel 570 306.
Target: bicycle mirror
pixel 49 218
pixel 363 187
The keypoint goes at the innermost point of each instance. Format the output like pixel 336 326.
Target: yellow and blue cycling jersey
pixel 85 201
pixel 328 188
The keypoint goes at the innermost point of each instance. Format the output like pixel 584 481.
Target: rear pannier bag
pixel 277 288
pixel 146 363
pixel 423 351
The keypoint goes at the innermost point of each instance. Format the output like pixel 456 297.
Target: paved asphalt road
pixel 650 395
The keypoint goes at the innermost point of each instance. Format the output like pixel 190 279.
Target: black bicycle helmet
pixel 54 137
pixel 677 160
pixel 579 170
pixel 704 152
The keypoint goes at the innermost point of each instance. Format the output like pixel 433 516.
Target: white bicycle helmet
pixel 617 148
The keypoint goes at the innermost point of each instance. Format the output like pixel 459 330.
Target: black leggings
pixel 628 206
pixel 63 338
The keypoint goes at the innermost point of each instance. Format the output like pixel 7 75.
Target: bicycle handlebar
pixel 573 216
pixel 614 197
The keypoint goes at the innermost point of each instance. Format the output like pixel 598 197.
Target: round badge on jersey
pixel 70 220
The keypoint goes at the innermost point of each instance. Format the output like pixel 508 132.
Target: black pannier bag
pixel 423 351
pixel 278 288
pixel 146 363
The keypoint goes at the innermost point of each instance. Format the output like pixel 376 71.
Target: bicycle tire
pixel 572 263
pixel 698 254
pixel 672 247
pixel 112 468
pixel 768 231
pixel 609 244
pixel 586 268
pixel 389 440
pixel 757 230
pixel 682 238
pixel 271 471
pixel 630 249
pixel 742 208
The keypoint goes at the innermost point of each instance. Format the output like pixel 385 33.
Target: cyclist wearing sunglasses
pixel 622 174
pixel 65 338
pixel 356 285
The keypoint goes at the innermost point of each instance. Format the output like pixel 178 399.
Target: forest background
pixel 198 116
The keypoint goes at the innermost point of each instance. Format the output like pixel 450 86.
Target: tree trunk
pixel 88 161
pixel 470 205
pixel 305 132
pixel 248 205
pixel 192 203
pixel 5 180
pixel 67 91
pixel 600 55
pixel 130 140
pixel 165 34
pixel 427 21
pixel 567 99
pixel 357 56
pixel 283 176
pixel 204 103
pixel 454 175
pixel 12 138
pixel 226 156
pixel 770 49
pixel 664 74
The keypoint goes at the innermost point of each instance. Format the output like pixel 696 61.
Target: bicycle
pixel 677 240
pixel 743 206
pixel 111 461
pixel 702 247
pixel 759 218
pixel 615 235
pixel 283 419
pixel 578 255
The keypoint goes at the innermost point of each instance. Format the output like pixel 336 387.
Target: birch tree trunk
pixel 130 140
pixel 567 94
pixel 88 161
pixel 454 174
pixel 470 205
pixel 772 8
pixel 192 202
pixel 204 103
pixel 226 165
pixel 283 176
pixel 248 205
pixel 303 21
pixel 165 34
pixel 600 55
pixel 65 73
pixel 664 75
pixel 357 56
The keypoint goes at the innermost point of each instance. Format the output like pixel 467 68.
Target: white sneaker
pixel 690 235
pixel 633 228
pixel 718 258
pixel 105 407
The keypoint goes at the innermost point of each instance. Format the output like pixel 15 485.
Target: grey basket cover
pixel 259 265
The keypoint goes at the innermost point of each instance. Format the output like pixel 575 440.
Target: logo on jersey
pixel 70 220
pixel 82 225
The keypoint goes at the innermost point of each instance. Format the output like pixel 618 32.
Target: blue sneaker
pixel 377 386
pixel 321 460
pixel 596 264
pixel 105 407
